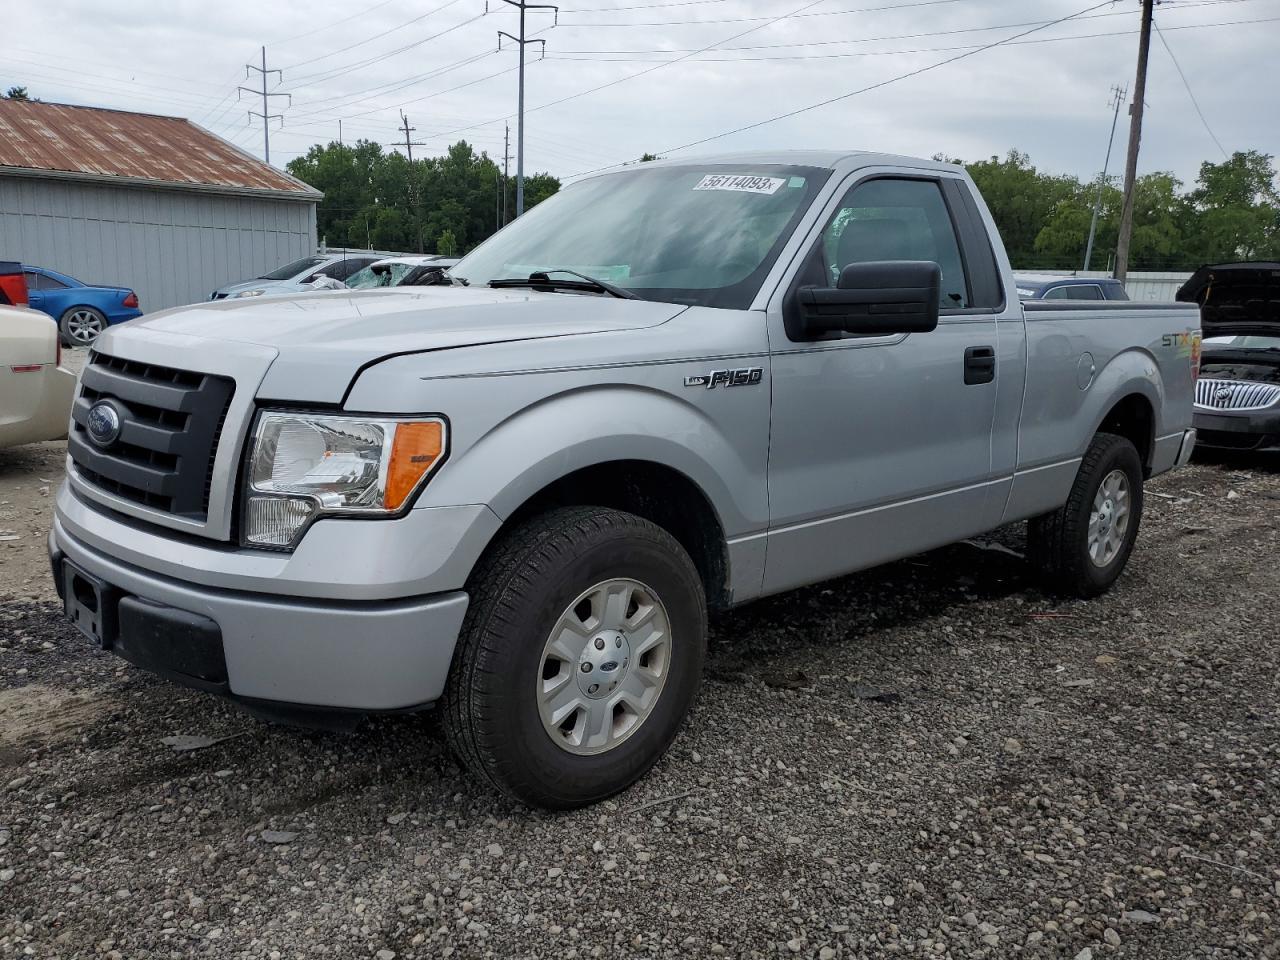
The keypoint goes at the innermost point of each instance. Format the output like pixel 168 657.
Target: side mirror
pixel 878 298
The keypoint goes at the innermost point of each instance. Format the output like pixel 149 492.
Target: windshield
pixel 291 270
pixel 704 235
pixel 379 275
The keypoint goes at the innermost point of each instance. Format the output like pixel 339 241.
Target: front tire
pixel 1082 548
pixel 81 326
pixel 580 657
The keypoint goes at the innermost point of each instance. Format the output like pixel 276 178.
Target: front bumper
pixel 369 655
pixel 1252 430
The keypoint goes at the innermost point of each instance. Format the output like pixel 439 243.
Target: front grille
pixel 170 423
pixel 1235 394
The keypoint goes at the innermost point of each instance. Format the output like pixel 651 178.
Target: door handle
pixel 979 365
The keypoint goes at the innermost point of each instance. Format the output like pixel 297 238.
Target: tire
pixel 498 717
pixel 1061 543
pixel 81 326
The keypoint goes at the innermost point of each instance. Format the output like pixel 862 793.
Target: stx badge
pixel 742 377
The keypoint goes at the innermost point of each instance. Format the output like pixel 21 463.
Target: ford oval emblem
pixel 103 424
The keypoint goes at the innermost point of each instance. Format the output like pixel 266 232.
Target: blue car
pixel 81 311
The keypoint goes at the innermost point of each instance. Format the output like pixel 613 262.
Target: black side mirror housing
pixel 878 298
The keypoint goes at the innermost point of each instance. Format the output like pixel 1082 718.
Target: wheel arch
pixel 655 491
pixel 1133 417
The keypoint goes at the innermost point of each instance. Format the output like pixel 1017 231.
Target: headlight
pixel 248 293
pixel 304 465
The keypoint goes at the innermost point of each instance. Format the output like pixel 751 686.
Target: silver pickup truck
pixel 665 391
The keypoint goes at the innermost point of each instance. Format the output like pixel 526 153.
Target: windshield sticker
pixel 740 183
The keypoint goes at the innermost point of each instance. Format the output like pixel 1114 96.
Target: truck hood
pixel 1236 299
pixel 323 339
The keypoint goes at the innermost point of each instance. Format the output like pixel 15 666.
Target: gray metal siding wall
pixel 171 246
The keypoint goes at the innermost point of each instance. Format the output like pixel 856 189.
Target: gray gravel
pixel 931 759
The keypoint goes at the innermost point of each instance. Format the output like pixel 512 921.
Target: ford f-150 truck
pixel 668 389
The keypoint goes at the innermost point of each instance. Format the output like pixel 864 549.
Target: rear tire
pixel 580 656
pixel 1082 548
pixel 81 326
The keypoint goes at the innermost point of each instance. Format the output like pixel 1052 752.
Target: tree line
pixel 1231 213
pixel 380 200
pixel 448 204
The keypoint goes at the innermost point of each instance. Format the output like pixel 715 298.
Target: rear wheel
pixel 81 326
pixel 580 657
pixel 1082 548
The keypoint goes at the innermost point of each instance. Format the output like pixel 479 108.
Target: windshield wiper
pixel 542 278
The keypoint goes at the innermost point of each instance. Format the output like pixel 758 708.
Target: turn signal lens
pixel 414 452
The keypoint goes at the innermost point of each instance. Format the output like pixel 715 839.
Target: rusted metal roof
pixel 56 139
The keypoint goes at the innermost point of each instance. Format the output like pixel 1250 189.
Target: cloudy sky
pixel 622 77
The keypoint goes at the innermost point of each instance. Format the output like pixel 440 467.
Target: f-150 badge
pixel 742 377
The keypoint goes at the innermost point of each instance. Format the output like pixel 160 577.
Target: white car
pixel 399 271
pixel 35 389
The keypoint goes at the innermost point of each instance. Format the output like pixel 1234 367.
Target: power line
pixel 875 86
pixel 1195 103
pixel 322 76
pixel 914 50
pixel 640 6
pixel 329 26
pixel 821 13
pixel 898 36
pixel 376 36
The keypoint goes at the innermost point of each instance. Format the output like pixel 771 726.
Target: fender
pixel 1133 371
pixel 582 426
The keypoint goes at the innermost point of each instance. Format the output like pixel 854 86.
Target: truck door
pixel 881 446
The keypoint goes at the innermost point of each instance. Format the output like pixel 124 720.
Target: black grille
pixel 170 424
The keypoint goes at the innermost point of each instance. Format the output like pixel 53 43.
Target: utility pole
pixel 266 114
pixel 340 143
pixel 408 144
pixel 1135 136
pixel 506 170
pixel 408 149
pixel 1117 98
pixel 522 6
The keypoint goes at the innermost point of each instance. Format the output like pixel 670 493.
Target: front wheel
pixel 1082 548
pixel 579 659
pixel 81 326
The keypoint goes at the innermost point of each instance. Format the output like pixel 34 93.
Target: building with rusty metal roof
pixel 154 203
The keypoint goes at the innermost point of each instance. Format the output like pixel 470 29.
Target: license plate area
pixel 90 604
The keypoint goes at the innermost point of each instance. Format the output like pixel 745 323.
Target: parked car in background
pixel 13 286
pixel 1238 394
pixel 297 276
pixel 1038 286
pixel 401 271
pixel 35 391
pixel 81 310
pixel 682 385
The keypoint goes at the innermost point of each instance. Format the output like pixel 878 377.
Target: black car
pixel 1040 286
pixel 1237 405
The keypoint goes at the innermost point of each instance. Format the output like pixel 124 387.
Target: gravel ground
pixel 930 759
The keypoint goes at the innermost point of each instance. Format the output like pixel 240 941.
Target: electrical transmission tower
pixel 1117 98
pixel 522 42
pixel 266 114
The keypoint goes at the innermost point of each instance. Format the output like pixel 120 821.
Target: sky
pixel 623 77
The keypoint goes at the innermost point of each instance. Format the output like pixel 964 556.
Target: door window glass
pixel 897 220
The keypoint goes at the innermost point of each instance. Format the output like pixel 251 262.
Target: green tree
pixel 447 244
pixel 1236 209
pixel 381 200
pixel 1022 200
pixel 17 93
